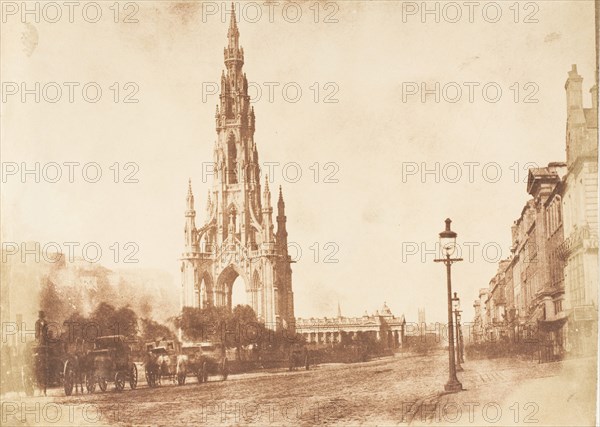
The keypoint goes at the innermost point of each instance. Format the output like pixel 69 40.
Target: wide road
pixel 394 390
pixel 353 393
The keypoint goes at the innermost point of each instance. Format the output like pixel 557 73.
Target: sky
pixel 366 224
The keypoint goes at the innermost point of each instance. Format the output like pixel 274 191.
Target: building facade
pixel 237 238
pixel 547 290
pixel 580 213
pixel 382 326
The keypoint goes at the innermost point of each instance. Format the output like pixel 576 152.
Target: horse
pixel 152 369
pixel 80 361
pixel 181 369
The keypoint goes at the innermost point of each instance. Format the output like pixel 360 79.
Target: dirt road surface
pixel 390 391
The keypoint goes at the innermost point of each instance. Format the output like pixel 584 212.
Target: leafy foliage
pixel 237 328
pixel 152 330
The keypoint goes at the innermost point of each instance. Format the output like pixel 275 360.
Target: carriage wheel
pixel 68 378
pixel 102 384
pixel 90 384
pixel 224 369
pixel 133 377
pixel 119 381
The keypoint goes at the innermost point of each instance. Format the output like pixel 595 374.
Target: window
pixel 576 281
pixel 557 306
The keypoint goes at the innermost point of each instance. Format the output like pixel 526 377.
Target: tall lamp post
pixel 456 309
pixel 448 247
pixel 460 339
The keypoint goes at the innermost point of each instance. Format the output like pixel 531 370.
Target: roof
pixel 539 176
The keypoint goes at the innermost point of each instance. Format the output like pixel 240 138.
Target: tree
pixel 51 302
pixel 102 319
pixel 127 322
pixel 152 330
pixel 201 324
pixel 110 321
pixel 75 327
pixel 242 327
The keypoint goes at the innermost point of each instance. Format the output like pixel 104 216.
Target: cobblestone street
pixel 397 390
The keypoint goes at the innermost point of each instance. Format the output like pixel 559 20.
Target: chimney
pixel 574 98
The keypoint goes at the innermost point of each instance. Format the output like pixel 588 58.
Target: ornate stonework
pixel 237 238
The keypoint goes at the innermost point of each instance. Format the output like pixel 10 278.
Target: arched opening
pixel 231 289
pixel 238 293
pixel 231 160
pixel 203 291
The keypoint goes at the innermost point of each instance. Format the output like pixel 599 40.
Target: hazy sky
pixel 370 58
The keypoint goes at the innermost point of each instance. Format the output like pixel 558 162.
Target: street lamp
pixel 448 247
pixel 460 340
pixel 456 309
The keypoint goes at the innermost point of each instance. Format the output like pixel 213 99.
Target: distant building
pixel 432 332
pixel 493 300
pixel 548 288
pixel 382 326
pixel 477 333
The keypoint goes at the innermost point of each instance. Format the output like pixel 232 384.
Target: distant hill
pixel 63 287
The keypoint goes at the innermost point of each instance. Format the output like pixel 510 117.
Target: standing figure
pixel 41 328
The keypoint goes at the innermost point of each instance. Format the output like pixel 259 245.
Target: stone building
pixel 525 295
pixel 494 303
pixel 237 238
pixel 382 326
pixel 550 282
pixel 478 327
pixel 580 217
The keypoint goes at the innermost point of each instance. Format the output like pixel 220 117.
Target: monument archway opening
pixel 238 293
pixel 232 288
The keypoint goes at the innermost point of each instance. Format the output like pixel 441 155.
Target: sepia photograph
pixel 299 212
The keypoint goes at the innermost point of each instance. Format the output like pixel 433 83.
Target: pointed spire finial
pixel 232 21
pixel 190 196
pixel 233 32
pixel 280 207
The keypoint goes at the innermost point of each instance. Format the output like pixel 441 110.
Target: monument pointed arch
pixel 240 243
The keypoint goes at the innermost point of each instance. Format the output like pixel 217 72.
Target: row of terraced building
pixel 546 292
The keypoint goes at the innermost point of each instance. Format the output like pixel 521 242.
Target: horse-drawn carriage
pixel 110 360
pixel 44 366
pixel 205 359
pixel 163 362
